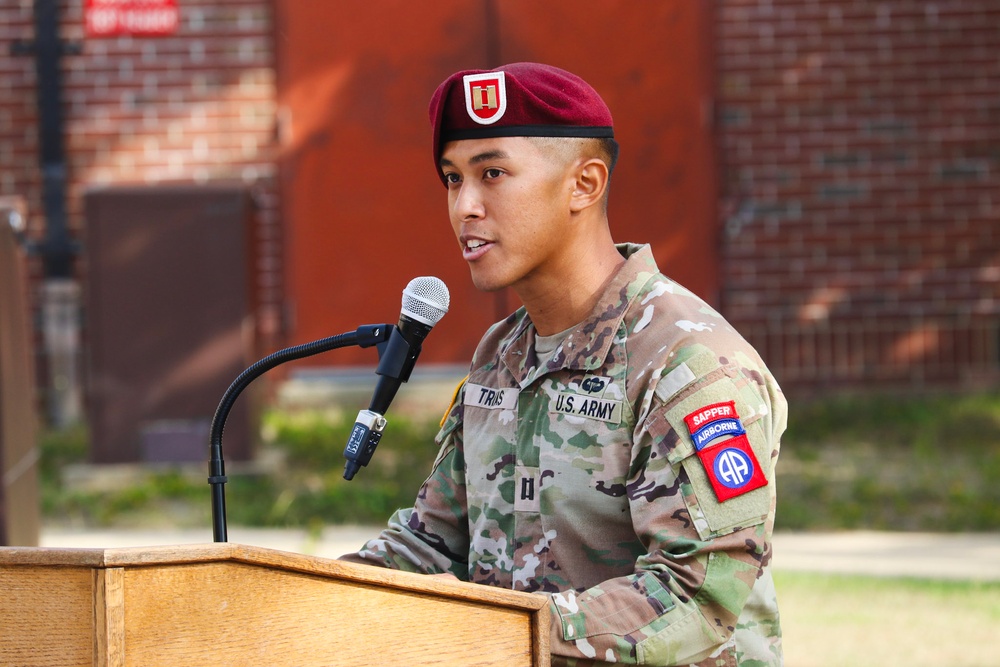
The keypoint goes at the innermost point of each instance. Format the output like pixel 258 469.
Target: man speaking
pixel 614 443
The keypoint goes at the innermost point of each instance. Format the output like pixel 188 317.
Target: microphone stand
pixel 364 336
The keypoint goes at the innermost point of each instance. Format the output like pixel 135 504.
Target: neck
pixel 564 298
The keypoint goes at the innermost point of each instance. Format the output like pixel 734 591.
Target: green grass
pixel 873 462
pixel 892 463
pixel 836 620
pixel 917 463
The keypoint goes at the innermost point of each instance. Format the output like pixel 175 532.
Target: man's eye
pixel 493 173
pixel 450 178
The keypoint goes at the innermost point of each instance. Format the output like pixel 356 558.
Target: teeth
pixel 472 245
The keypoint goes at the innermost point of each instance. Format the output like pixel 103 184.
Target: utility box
pixel 19 502
pixel 168 320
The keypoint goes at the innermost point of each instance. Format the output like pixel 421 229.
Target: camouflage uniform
pixel 581 479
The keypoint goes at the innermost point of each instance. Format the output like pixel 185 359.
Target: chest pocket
pixel 580 442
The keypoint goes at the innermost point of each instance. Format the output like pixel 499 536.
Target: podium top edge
pixel 189 554
pixel 114 557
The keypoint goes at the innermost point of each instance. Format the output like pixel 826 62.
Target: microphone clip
pixel 361 444
pixel 397 355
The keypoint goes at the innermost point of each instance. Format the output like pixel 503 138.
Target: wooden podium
pixel 229 604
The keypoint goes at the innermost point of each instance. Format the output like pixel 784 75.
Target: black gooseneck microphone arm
pixel 364 336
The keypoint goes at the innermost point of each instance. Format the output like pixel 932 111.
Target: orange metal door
pixel 363 209
pixel 651 62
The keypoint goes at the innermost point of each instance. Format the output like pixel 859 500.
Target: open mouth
pixel 475 248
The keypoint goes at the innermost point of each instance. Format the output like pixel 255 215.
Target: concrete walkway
pixel 965 556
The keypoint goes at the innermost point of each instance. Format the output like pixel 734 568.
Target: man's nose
pixel 468 204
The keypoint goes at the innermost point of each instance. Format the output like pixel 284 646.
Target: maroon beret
pixel 516 100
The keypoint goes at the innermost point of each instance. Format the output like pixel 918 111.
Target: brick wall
pixel 194 107
pixel 859 149
pixel 859 145
pixel 18 142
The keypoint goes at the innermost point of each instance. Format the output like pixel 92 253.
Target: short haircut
pixel 604 149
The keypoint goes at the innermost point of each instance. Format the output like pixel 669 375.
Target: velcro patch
pixel 716 429
pixel 710 413
pixel 490 398
pixel 595 385
pixel 732 468
pixel 590 407
pixel 674 381
pixel 527 489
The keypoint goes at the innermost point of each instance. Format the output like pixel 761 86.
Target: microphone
pixel 425 301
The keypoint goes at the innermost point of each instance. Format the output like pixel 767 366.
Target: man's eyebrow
pixel 487 156
pixel 478 158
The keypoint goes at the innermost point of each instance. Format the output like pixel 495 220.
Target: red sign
pixel 109 18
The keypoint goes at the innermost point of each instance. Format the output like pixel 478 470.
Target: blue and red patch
pixel 724 450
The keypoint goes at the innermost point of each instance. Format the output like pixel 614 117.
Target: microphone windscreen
pixel 426 300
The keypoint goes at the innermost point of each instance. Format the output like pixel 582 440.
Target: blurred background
pixel 189 185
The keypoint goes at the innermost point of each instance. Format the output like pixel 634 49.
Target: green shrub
pixel 891 463
pixel 872 462
pixel 312 487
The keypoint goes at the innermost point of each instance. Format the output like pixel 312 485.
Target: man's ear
pixel 590 184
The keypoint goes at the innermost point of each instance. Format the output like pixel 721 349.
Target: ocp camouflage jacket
pixel 581 478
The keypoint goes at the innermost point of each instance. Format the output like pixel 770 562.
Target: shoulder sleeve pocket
pixel 712 516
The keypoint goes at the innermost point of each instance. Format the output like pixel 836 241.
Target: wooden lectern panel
pixel 270 616
pixel 225 604
pixel 46 616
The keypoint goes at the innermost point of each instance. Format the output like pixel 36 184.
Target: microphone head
pixel 426 300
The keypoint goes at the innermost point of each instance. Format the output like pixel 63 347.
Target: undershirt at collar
pixel 545 346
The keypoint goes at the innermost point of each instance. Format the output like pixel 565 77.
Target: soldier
pixel 614 443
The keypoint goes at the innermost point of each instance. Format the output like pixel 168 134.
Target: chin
pixel 488 283
pixel 487 287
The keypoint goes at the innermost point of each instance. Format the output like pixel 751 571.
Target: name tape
pixel 490 398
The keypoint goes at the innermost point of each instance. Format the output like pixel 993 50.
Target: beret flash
pixel 516 100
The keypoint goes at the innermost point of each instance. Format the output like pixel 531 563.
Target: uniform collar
pixel 588 344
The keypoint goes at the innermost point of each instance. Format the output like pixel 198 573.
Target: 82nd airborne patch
pixel 730 463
